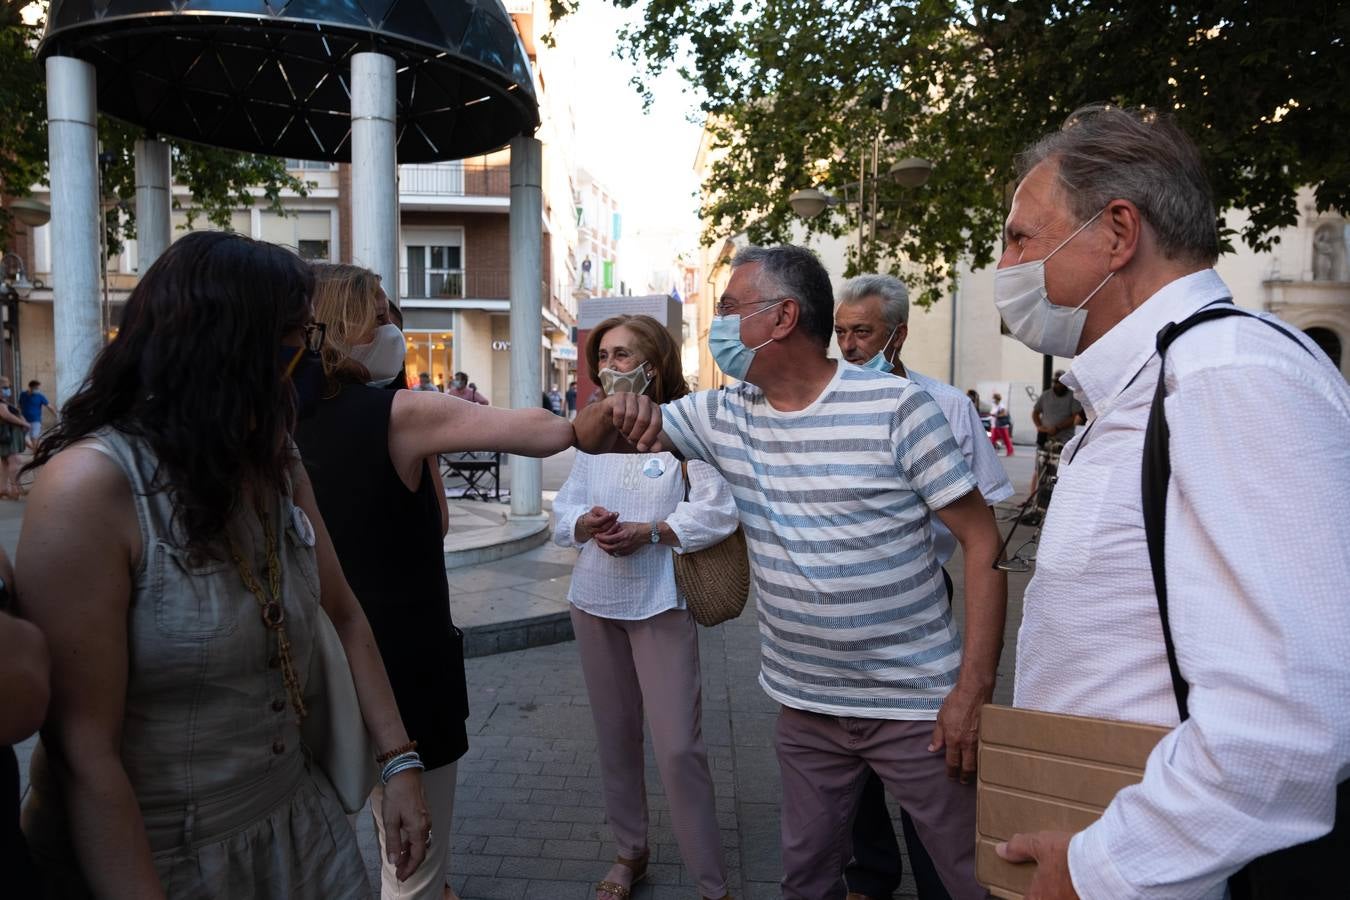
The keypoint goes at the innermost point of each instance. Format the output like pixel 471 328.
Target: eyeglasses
pixel 314 334
pixel 722 308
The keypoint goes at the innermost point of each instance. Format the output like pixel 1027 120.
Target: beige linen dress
pixel 210 740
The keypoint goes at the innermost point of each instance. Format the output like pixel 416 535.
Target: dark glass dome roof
pixel 273 76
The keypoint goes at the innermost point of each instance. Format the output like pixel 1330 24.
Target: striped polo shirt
pixel 834 500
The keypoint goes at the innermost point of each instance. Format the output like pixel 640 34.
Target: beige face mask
pixel 633 382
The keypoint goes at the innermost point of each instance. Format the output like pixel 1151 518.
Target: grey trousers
pixel 825 760
pixel 653 663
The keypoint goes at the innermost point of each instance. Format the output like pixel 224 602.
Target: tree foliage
pixel 794 90
pixel 220 181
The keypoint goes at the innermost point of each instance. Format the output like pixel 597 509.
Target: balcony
pixel 449 180
pixel 456 284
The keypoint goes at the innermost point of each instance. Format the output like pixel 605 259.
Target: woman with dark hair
pixel 637 640
pixel 371 455
pixel 175 560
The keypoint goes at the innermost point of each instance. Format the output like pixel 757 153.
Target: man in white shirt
pixel 871 323
pixel 1111 236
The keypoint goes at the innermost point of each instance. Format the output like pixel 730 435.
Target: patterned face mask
pixel 635 381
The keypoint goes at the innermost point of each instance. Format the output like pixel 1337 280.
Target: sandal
pixel 618 891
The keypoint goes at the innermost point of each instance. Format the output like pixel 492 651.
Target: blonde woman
pixel 637 640
pixel 371 456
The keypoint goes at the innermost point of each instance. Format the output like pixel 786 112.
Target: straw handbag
pixel 334 731
pixel 715 581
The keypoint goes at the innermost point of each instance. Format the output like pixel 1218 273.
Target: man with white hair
pixel 871 323
pixel 1230 625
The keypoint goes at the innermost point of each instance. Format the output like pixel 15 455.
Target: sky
pixel 645 158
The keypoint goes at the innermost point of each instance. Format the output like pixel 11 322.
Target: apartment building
pixel 454 252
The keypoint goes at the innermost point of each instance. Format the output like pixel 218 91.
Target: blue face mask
pixel 879 362
pixel 726 346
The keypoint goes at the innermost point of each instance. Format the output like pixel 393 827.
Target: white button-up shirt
pixel 1258 577
pixel 640 488
pixel 970 436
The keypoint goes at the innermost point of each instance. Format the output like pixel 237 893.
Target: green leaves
pixel 220 181
pixel 796 90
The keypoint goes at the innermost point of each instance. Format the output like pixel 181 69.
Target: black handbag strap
pixel 684 473
pixel 1157 472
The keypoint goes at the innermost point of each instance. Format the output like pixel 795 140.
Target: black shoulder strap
pixel 1157 472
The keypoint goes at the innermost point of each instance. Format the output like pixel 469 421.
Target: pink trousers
pixel 653 663
pixel 825 760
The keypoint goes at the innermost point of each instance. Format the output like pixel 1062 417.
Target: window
pixel 313 250
pixel 310 165
pixel 305 231
pixel 434 270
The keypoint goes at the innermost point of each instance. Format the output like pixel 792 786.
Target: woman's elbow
pixel 28 668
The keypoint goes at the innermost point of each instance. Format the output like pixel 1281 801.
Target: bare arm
pixel 422 424
pixel 12 419
pixel 405 814
pixel 622 423
pixel 986 603
pixel 79 546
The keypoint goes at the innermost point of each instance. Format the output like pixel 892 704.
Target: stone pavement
pixel 529 818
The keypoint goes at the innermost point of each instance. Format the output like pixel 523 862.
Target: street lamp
pixel 910 172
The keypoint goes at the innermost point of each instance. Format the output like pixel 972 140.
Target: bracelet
pixel 401 763
pixel 403 767
pixel 397 751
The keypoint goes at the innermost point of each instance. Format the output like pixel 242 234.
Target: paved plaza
pixel 529 820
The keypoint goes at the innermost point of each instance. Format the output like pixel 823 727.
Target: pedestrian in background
pixel 1111 243
pixel 14 431
pixel 424 383
pixel 464 389
pixel 871 323
pixel 571 400
pixel 1055 413
pixel 1002 430
pixel 175 561
pixel 637 640
pixel 31 403
pixel 371 455
pixel 836 471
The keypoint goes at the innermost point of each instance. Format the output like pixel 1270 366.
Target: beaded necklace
pixel 272 612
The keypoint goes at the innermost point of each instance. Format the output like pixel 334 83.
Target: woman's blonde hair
pixel 658 350
pixel 344 300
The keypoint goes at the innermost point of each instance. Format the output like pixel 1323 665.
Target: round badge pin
pixel 304 529
pixel 653 468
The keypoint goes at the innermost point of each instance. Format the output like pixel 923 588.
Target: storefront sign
pixel 501 345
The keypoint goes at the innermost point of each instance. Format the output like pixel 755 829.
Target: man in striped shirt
pixel 835 470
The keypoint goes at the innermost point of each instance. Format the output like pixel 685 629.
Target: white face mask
pixel 635 381
pixel 383 356
pixel 1022 301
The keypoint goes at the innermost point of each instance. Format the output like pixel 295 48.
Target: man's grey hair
pixel 892 293
pixel 1106 153
pixel 791 271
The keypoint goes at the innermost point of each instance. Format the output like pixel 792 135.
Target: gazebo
pixel 371 82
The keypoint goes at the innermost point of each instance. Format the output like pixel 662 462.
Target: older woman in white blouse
pixel 638 642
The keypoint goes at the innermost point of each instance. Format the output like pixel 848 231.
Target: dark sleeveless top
pixel 389 541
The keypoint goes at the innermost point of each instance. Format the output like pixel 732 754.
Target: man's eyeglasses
pixel 722 308
pixel 314 334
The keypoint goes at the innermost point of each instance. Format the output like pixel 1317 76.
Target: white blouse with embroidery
pixel 640 487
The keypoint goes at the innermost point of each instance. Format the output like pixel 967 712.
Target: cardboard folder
pixel 1043 771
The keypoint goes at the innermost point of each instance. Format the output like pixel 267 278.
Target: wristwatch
pixel 656 532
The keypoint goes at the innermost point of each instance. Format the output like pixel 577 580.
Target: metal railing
pixel 426 284
pixel 476 283
pixel 459 178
